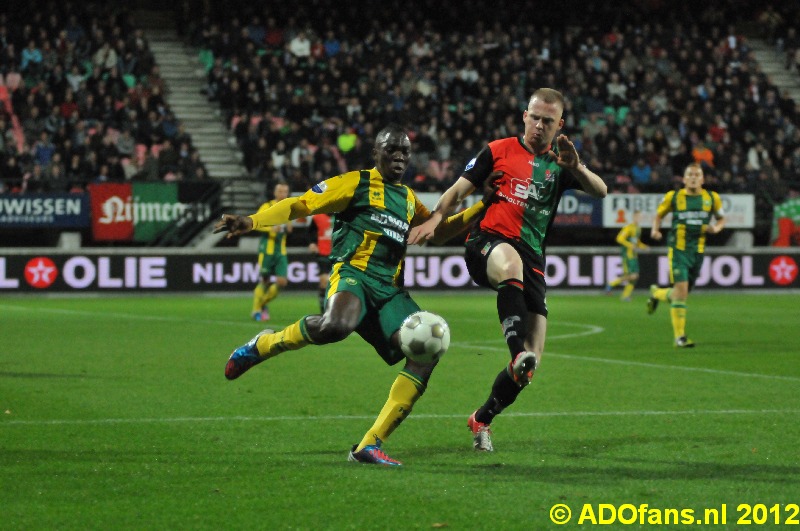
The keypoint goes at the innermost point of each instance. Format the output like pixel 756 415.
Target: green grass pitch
pixel 115 414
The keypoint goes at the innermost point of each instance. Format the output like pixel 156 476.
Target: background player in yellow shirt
pixel 692 209
pixel 630 238
pixel 272 259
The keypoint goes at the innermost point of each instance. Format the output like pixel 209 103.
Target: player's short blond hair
pixel 548 95
pixel 694 165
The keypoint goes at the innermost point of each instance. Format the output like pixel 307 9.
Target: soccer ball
pixel 424 337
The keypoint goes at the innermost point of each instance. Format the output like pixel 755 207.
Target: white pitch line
pixel 591 329
pixel 127 316
pixel 547 354
pixel 423 416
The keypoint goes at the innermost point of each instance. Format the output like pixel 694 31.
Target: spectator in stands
pixel 641 173
pixel 300 46
pixel 12 174
pixel 105 58
pixel 35 180
pixel 43 149
pixel 57 180
pixel 31 60
pixel 280 157
pixel 332 45
pixel 76 171
pixel 703 156
pixel 168 158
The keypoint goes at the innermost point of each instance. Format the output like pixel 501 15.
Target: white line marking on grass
pixel 680 368
pixel 296 418
pixel 128 316
pixel 590 330
pixel 481 345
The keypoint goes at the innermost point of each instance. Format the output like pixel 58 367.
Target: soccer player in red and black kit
pixel 506 252
pixel 320 231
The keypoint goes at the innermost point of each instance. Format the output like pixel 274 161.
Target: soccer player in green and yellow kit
pixel 374 214
pixel 629 237
pixel 692 209
pixel 272 259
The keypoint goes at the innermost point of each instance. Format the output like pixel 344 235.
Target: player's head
pixel 392 152
pixel 543 118
pixel 281 191
pixel 693 177
pixel 637 216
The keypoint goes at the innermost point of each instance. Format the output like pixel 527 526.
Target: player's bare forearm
pixel 457 223
pixel 591 183
pixel 655 230
pixel 569 159
pixel 446 204
pixel 453 197
pixel 717 227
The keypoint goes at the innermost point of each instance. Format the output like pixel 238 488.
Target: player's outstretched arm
pixel 446 204
pixel 279 213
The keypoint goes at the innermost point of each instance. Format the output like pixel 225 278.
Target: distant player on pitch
pixel 629 237
pixel 272 259
pixel 692 209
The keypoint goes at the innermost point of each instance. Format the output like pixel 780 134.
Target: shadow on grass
pixel 589 461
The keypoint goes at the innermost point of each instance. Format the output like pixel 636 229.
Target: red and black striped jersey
pixel 528 192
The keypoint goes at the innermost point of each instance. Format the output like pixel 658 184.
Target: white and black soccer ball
pixel 424 337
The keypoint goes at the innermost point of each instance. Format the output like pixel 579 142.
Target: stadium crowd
pixel 647 94
pixel 649 90
pixel 82 101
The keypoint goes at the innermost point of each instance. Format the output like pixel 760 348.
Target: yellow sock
pixel 258 294
pixel 270 294
pixel 678 313
pixel 405 391
pixel 662 294
pixel 627 291
pixel 293 337
pixel 616 282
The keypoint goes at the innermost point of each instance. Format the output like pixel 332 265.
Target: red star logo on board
pixel 40 272
pixel 783 270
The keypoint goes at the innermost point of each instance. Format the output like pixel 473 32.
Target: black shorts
pixel 478 248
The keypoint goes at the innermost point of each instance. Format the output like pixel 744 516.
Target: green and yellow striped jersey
pixel 273 242
pixel 373 218
pixel 630 238
pixel 691 215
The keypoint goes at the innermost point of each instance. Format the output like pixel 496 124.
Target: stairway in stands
pixel 185 79
pixel 772 64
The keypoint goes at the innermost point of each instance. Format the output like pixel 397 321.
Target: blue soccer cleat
pixel 244 357
pixel 371 455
